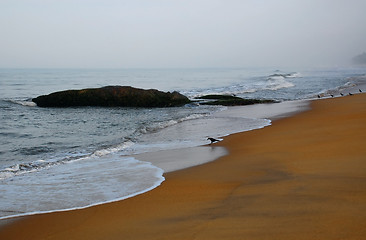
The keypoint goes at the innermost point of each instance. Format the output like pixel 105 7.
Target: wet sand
pixel 304 177
pixel 177 159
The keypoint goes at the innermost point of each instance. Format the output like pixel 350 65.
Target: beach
pixel 304 177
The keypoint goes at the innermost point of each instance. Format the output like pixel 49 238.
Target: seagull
pixel 341 94
pixel 318 96
pixel 350 94
pixel 212 140
pixel 360 90
pixel 332 95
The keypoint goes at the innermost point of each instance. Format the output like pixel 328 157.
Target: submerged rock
pixel 228 100
pixel 112 96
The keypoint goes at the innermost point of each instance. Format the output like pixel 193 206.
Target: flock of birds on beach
pixel 213 140
pixel 332 95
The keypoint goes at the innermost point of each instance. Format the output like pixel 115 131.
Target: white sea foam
pixel 272 82
pixel 78 185
pixel 26 103
pixel 114 149
pixel 278 82
pixel 38 165
pixel 164 124
pixel 294 75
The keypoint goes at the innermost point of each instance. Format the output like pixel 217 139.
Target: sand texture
pixel 304 177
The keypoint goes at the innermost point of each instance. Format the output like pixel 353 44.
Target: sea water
pixel 54 159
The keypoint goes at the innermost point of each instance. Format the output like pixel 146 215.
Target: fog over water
pixel 191 33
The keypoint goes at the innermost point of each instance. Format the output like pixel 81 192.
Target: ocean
pixel 53 159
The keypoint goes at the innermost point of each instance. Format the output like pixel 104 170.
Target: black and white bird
pixel 341 94
pixel 360 90
pixel 212 140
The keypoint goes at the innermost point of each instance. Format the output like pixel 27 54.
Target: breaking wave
pixel 22 168
pixel 272 82
pixel 27 102
pixel 279 80
pixel 161 125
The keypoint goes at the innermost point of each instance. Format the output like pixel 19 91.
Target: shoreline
pixel 198 155
pixel 171 160
pixel 209 200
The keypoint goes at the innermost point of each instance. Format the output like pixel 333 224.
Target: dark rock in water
pixel 238 102
pixel 112 96
pixel 228 100
pixel 218 97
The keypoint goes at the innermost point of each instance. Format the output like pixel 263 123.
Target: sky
pixel 180 33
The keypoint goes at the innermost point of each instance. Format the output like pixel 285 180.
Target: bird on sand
pixel 331 95
pixel 350 94
pixel 341 94
pixel 212 140
pixel 318 96
pixel 359 90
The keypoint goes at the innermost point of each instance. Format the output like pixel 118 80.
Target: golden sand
pixel 302 178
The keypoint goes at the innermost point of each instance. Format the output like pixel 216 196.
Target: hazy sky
pixel 180 33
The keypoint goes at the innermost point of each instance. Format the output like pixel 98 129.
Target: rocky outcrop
pixel 112 96
pixel 228 100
